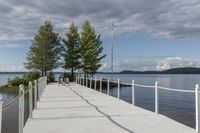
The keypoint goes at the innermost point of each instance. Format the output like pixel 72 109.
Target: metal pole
pixel 108 87
pixel 133 92
pixel 118 89
pixel 156 98
pixel 95 84
pixel 1 104
pixel 112 36
pixel 21 109
pixel 30 99
pixel 197 108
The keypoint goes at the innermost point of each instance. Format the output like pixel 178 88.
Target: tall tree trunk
pixel 42 73
pixel 84 74
pixel 45 72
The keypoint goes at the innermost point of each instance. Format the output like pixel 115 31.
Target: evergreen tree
pixel 91 49
pixel 72 56
pixel 44 52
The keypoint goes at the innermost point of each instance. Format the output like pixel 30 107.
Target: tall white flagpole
pixel 112 37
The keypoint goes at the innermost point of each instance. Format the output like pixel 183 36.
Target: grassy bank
pixel 10 90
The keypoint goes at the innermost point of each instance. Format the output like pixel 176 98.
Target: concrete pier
pixel 78 109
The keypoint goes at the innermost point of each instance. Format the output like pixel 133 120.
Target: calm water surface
pixel 176 105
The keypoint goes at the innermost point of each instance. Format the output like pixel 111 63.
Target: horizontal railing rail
pixel 84 81
pixel 38 86
pixel 4 107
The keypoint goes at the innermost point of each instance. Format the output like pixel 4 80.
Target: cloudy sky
pixel 149 34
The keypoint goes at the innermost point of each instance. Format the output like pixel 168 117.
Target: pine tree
pixel 91 49
pixel 72 56
pixel 44 52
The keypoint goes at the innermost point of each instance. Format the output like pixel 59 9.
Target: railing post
pixel 86 82
pixel 39 89
pixel 30 99
pixel 197 108
pixel 133 92
pixel 35 93
pixel 83 81
pixel 45 82
pixel 108 87
pixel 100 84
pixel 95 83
pixel 76 79
pixel 1 104
pixel 118 89
pixel 90 83
pixel 43 85
pixel 156 98
pixel 80 81
pixel 21 109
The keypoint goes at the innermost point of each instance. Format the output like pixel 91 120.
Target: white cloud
pixel 10 46
pixel 151 63
pixel 105 67
pixel 174 62
pixel 162 18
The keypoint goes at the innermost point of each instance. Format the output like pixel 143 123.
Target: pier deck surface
pixel 78 109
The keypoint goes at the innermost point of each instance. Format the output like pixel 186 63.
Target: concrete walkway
pixel 77 109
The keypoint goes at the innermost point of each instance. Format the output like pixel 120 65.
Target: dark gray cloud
pixel 167 19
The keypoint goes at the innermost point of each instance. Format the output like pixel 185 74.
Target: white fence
pixel 38 86
pixel 82 80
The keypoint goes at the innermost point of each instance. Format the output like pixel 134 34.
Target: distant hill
pixel 13 72
pixel 182 70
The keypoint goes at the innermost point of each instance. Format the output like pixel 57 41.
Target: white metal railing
pixel 82 80
pixel 38 86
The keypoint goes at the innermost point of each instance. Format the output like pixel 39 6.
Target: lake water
pixel 4 78
pixel 176 105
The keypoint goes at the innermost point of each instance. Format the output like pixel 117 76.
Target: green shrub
pixel 17 81
pixel 31 76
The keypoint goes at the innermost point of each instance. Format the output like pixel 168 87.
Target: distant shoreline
pixel 183 70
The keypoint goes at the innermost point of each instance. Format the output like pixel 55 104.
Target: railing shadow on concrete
pixel 109 117
pixel 37 87
pixel 88 83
